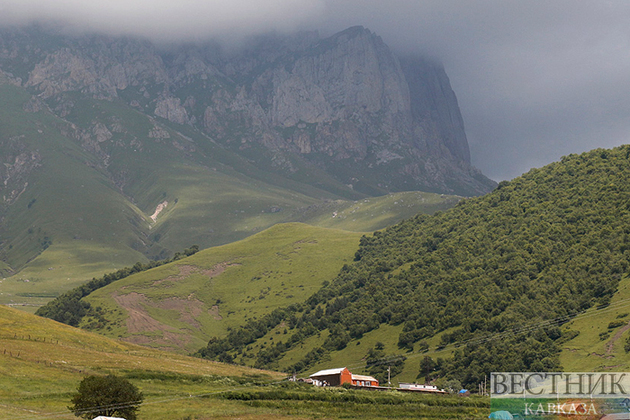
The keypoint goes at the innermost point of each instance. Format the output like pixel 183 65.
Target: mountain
pixel 502 282
pixel 346 103
pixel 116 150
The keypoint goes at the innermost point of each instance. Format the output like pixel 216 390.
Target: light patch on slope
pixel 158 210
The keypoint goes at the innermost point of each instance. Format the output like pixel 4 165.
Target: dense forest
pixel 495 276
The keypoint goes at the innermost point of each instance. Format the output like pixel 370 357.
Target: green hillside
pixel 42 363
pixel 80 193
pixel 375 213
pixel 486 286
pixel 601 336
pixel 179 306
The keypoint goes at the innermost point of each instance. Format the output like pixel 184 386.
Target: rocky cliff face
pixel 345 104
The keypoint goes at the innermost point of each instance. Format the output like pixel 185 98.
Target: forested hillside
pixel 495 277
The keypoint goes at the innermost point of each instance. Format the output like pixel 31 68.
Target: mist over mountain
pixel 534 82
pixel 346 103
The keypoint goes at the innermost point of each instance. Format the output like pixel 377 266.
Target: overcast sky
pixel 535 79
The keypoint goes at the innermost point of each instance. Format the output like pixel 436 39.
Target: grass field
pixel 375 213
pixel 181 305
pixel 602 336
pixel 42 362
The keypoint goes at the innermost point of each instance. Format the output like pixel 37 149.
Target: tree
pixel 450 385
pixel 106 396
pixel 427 366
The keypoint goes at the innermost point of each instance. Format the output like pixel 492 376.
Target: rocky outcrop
pixel 99 66
pixel 346 103
pixel 18 163
pixel 172 110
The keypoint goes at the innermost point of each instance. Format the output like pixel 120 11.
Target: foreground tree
pixel 106 396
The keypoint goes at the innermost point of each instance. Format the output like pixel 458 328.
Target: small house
pixel 107 418
pixel 362 380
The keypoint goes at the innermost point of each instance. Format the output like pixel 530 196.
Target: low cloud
pixel 166 20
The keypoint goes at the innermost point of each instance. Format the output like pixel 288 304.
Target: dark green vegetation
pixel 110 396
pixel 42 362
pixel 69 308
pixel 482 287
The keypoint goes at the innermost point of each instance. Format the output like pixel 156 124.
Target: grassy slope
pixel 74 206
pixel 42 362
pixel 597 347
pixel 375 213
pixel 282 265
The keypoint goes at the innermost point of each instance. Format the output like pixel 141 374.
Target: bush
pixel 616 324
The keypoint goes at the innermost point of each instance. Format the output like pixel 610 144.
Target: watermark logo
pixel 579 395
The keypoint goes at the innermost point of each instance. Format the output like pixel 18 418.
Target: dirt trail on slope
pixel 158 210
pixel 617 336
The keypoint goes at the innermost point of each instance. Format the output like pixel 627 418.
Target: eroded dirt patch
pixel 139 321
pixel 218 269
pixel 189 309
pixel 602 355
pixel 214 311
pixel 184 272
